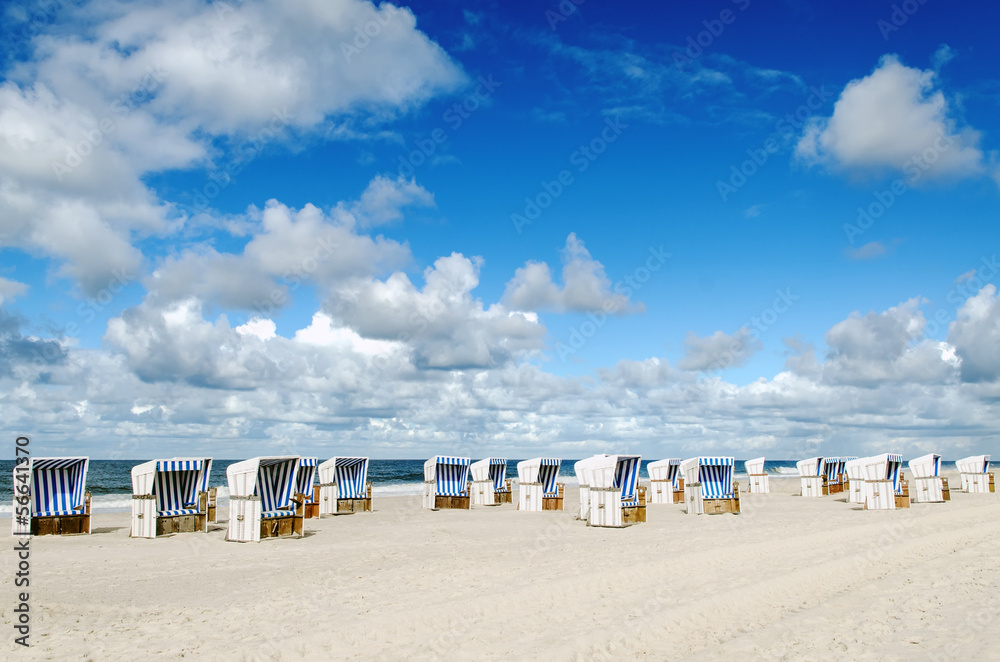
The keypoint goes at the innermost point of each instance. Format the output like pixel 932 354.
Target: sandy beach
pixel 790 578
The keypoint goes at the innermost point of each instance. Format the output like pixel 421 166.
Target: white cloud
pixel 719 350
pixel 586 287
pixel 975 335
pixel 384 199
pixel 10 289
pixel 895 119
pixel 869 251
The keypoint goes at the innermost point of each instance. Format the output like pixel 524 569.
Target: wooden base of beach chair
pixel 835 488
pixel 719 506
pixel 945 490
pixel 348 506
pixel 64 525
pixel 213 508
pixel 554 503
pixel 283 527
pixel 166 526
pixel 452 503
pixel 902 501
pixel 312 509
pixel 637 513
pixel 993 487
pixel 502 497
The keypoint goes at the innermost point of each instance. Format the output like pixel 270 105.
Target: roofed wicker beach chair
pixel 976 476
pixel 53 489
pixel 537 486
pixel 833 469
pixel 811 477
pixel 760 482
pixel 665 482
pixel 855 470
pixel 446 483
pixel 263 502
pixel 929 486
pixel 305 484
pixel 885 488
pixel 583 477
pixel 616 498
pixel 344 487
pixel 170 496
pixel 709 487
pixel 490 486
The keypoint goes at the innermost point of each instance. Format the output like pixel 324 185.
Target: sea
pixel 110 481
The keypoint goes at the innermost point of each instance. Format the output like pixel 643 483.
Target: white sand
pixel 790 578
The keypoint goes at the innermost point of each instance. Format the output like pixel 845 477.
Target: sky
pixel 326 227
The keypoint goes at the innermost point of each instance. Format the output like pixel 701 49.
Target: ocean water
pixel 110 481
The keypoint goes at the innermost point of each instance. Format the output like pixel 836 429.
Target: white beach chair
pixel 53 490
pixel 490 486
pixel 976 476
pixel 170 496
pixel 665 482
pixel 928 484
pixel 616 498
pixel 709 487
pixel 759 480
pixel 811 477
pixel 538 488
pixel 446 483
pixel 344 486
pixel 884 486
pixel 263 502
pixel 855 471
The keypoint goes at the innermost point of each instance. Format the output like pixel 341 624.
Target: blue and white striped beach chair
pixel 884 484
pixel 446 482
pixel 344 486
pixel 52 493
pixel 263 502
pixel 833 469
pixel 305 484
pixel 489 482
pixel 665 481
pixel 616 499
pixel 538 485
pixel 975 473
pixel 929 486
pixel 170 496
pixel 709 487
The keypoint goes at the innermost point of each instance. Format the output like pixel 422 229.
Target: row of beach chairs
pixel 272 496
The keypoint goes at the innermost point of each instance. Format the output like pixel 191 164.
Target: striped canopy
pixel 449 474
pixel 668 469
pixel 57 485
pixel 885 467
pixel 178 484
pixel 833 467
pixel 619 472
pixel 493 469
pixel 975 464
pixel 276 486
pixel 716 477
pixel 350 475
pixel 926 466
pixel 306 477
pixel 544 470
pixel 811 467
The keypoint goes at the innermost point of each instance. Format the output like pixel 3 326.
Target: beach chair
pixel 344 487
pixel 928 484
pixel 263 502
pixel 665 482
pixel 53 491
pixel 976 477
pixel 446 483
pixel 170 496
pixel 885 488
pixel 759 480
pixel 833 469
pixel 811 477
pixel 538 489
pixel 490 486
pixel 855 482
pixel 616 498
pixel 709 487
pixel 305 481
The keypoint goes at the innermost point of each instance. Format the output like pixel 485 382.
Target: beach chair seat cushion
pixel 177 512
pixel 277 513
pixel 58 513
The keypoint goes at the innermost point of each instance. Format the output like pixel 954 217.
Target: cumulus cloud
pixel 893 119
pixel 719 350
pixel 869 251
pixel 10 289
pixel 586 286
pixel 975 335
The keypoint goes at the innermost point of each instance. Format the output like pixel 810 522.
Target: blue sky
pixel 525 227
